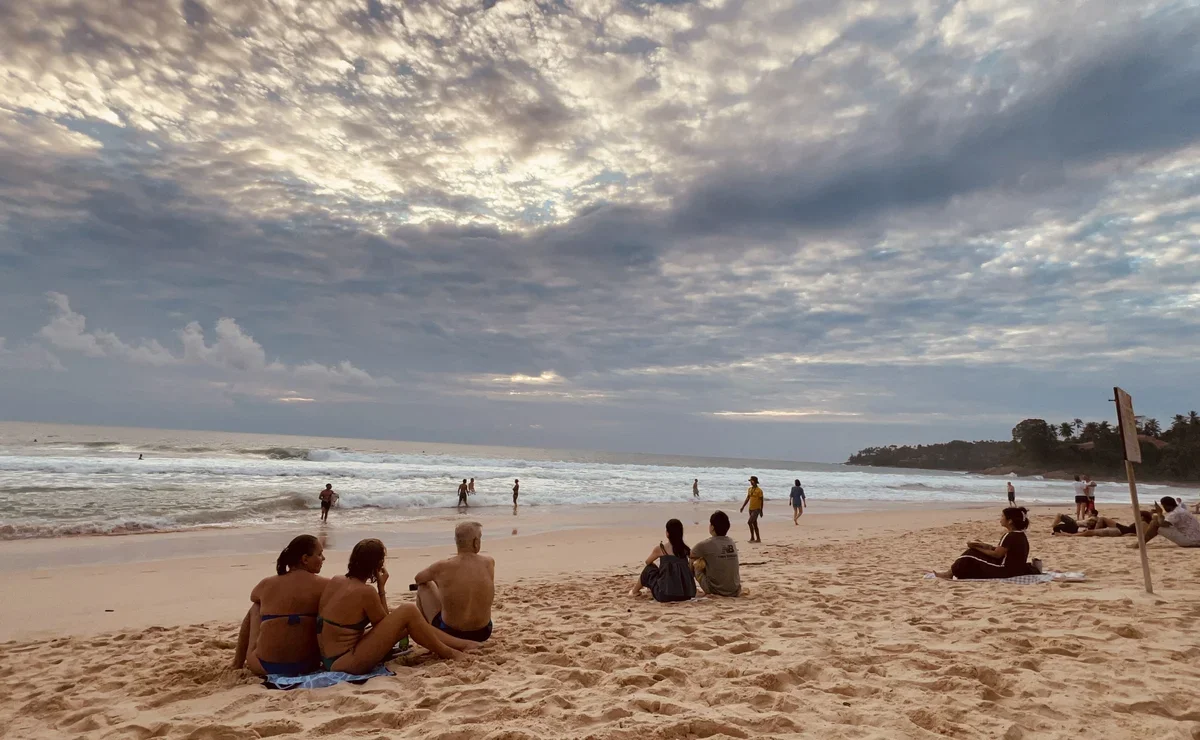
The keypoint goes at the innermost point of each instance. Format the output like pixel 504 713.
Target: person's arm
pixel 429 575
pixel 655 554
pixel 375 604
pixel 698 552
pixel 256 593
pixel 744 503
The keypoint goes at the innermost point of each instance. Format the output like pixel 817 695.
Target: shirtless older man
pixel 456 594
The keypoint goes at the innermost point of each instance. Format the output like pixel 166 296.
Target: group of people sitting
pixel 673 569
pixel 1169 518
pixel 300 622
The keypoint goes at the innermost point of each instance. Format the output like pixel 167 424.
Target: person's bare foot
pixel 947 576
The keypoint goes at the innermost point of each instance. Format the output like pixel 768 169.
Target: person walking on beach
pixel 798 502
pixel 1080 498
pixel 754 498
pixel 516 490
pixel 696 488
pixel 1012 494
pixel 328 498
pixel 462 493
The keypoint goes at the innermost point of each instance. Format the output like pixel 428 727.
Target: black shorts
pixel 1081 499
pixel 325 505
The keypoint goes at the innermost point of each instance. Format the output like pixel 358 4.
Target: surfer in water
pixel 328 498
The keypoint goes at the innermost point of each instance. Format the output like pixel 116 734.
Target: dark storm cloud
pixel 1140 96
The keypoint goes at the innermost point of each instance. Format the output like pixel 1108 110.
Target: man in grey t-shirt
pixel 715 560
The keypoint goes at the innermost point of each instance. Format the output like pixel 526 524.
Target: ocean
pixel 60 481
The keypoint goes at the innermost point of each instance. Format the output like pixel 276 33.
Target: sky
pixel 758 228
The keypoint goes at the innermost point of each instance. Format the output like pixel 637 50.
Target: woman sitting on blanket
pixel 350 604
pixel 1005 560
pixel 668 574
pixel 279 633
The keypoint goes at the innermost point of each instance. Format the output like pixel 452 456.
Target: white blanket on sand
pixel 1051 576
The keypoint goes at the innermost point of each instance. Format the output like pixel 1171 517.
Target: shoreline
pixel 424 531
pixel 130 575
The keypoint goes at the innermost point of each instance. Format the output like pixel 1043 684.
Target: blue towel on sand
pixel 322 679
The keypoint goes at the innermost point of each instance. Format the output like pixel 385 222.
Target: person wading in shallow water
pixel 328 498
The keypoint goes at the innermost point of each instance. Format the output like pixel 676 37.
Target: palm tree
pixel 1078 424
pixel 1193 419
pixel 1151 428
pixel 1064 430
pixel 1178 423
pixel 1090 432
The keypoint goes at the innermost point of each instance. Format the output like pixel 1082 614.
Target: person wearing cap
pixel 754 498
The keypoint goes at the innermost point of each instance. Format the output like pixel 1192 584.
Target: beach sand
pixel 840 637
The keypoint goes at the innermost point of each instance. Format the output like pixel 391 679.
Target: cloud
pixel 67 330
pixel 706 214
pixel 232 349
pixel 27 356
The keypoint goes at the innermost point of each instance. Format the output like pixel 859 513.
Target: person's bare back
pixel 456 594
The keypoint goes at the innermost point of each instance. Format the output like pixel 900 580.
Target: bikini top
pixel 357 626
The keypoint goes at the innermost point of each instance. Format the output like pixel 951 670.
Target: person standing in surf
pixel 516 490
pixel 1012 494
pixel 328 498
pixel 462 493
pixel 696 488
pixel 471 486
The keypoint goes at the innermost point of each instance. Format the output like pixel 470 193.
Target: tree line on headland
pixel 1038 447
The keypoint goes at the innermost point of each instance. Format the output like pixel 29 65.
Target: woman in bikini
pixel 1005 560
pixel 279 633
pixel 356 629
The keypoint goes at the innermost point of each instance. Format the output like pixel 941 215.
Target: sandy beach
pixel 840 637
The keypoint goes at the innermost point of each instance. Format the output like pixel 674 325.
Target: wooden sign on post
pixel 1133 453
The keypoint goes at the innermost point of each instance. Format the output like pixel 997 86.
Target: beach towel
pixel 323 679
pixel 1052 576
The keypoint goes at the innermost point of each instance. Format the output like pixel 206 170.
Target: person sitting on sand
pixel 1064 524
pixel 1174 522
pixel 350 604
pixel 455 595
pixel 279 633
pixel 667 573
pixel 1005 560
pixel 715 560
pixel 1104 527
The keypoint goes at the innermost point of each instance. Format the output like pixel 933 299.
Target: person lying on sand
pixel 1102 526
pixel 1005 560
pixel 715 560
pixel 1174 522
pixel 350 604
pixel 667 573
pixel 455 595
pixel 279 633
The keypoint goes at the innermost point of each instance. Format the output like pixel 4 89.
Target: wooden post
pixel 1141 527
pixel 1133 453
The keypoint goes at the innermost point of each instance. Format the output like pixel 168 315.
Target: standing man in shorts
pixel 328 498
pixel 1012 494
pixel 1080 498
pixel 696 488
pixel 754 498
pixel 462 493
pixel 516 490
pixel 798 502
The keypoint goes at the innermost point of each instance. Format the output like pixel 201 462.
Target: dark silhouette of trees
pixel 1095 447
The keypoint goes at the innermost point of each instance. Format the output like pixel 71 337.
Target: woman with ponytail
pixel 279 633
pixel 1005 560
pixel 668 573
